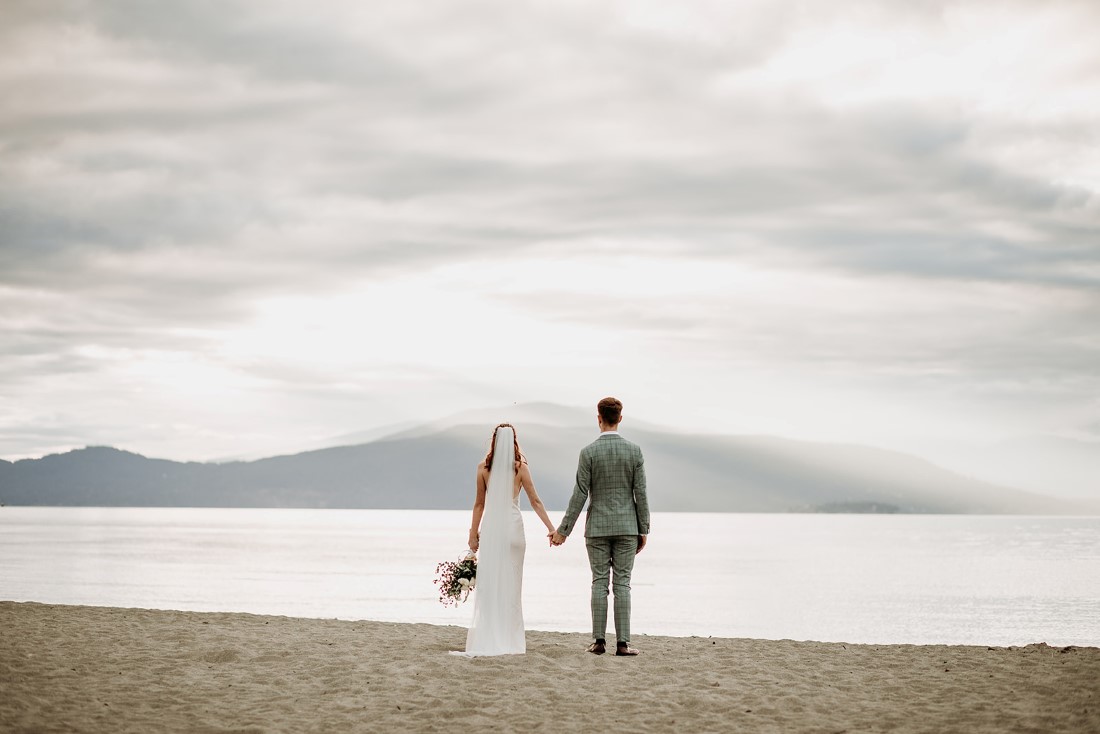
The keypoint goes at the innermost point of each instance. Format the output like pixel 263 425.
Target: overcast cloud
pixel 238 227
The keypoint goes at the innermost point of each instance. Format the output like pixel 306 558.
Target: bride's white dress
pixel 497 626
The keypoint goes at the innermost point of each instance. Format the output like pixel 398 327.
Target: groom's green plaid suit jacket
pixel 611 477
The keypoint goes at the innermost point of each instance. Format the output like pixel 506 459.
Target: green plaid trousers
pixel 611 555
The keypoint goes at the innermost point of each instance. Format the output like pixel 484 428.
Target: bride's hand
pixel 473 539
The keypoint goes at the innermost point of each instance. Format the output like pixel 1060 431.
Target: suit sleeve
pixel 641 501
pixel 580 495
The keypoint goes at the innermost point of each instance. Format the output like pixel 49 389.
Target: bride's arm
pixel 528 485
pixel 479 507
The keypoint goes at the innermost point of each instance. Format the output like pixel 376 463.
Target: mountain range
pixel 431 466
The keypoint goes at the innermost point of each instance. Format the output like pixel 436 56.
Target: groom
pixel 611 476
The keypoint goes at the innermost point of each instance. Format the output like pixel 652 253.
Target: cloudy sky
pixel 241 227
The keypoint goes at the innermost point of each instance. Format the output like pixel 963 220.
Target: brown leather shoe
pixel 624 650
pixel 597 648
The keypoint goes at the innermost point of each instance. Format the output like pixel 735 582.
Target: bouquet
pixel 456 579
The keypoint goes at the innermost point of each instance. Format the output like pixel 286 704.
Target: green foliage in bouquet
pixel 456 579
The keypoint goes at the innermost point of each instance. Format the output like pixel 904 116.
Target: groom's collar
pixel 608 433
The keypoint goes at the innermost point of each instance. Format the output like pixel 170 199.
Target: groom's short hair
pixel 611 411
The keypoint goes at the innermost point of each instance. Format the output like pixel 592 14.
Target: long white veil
pixel 492 629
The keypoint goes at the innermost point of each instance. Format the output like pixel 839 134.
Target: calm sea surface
pixel 852 578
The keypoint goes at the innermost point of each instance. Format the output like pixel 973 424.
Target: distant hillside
pixel 1062 467
pixel 433 468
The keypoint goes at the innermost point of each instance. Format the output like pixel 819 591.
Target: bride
pixel 496 533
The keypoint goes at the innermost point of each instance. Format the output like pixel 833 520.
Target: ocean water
pixel 918 579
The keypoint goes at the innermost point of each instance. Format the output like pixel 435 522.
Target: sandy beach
pixel 69 668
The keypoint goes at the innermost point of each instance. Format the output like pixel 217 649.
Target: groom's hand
pixel 641 543
pixel 556 538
